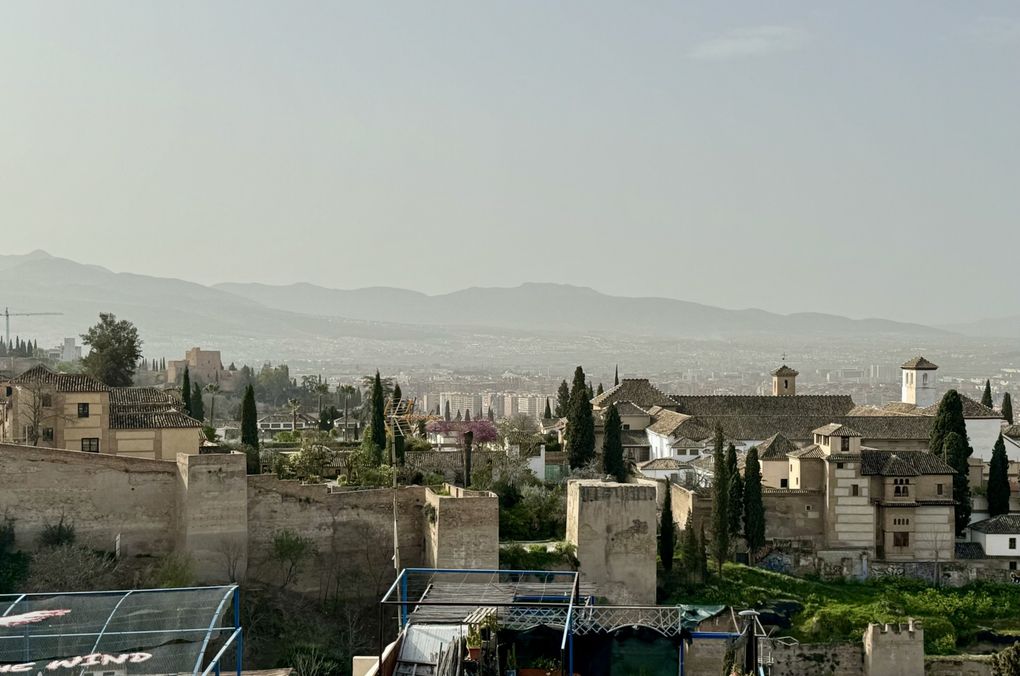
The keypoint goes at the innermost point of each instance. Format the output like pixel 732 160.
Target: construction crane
pixel 7 320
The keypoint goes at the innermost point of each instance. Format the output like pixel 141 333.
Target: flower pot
pixel 474 654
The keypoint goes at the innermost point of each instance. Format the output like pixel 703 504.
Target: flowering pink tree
pixel 484 431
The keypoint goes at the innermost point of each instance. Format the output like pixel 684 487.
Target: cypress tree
pixel 580 423
pixel 397 394
pixel 720 503
pixel 460 416
pixel 956 451
pixel 378 419
pixel 689 546
pixel 949 418
pixel 616 376
pixel 735 506
pixel 446 411
pixel 548 410
pixel 197 404
pixel 467 415
pixel 754 508
pixel 986 397
pixel 702 553
pixel 469 438
pixel 186 392
pixel 998 480
pixel 249 419
pixel 1007 408
pixel 562 400
pixel 667 533
pixel 612 447
pixel 599 391
pixel 590 392
pixel 492 416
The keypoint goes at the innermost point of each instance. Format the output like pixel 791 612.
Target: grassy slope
pixel 842 610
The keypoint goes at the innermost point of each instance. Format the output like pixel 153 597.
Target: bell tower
pixel 784 381
pixel 919 382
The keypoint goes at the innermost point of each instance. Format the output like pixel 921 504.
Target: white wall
pixel 982 433
pixel 998 545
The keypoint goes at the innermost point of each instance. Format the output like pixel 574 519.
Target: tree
pixel 378 419
pixel 213 389
pixel 667 531
pixel 616 376
pixel 398 434
pixel 956 452
pixel 986 397
pixel 949 418
pixel 735 501
pixel 492 415
pixel 197 404
pixel 689 546
pixel 720 503
pixel 562 400
pixel 1007 662
pixel 754 508
pixel 467 415
pixel 547 414
pixel 599 391
pixel 468 439
pixel 612 446
pixel 446 411
pixel 249 419
pixel 703 553
pixel 186 392
pixel 1007 408
pixel 294 405
pixel 580 423
pixel 289 551
pixel 115 351
pixel 998 480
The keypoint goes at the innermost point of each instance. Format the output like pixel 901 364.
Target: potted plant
pixel 542 666
pixel 474 643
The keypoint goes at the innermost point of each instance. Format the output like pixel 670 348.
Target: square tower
pixel 919 382
pixel 784 381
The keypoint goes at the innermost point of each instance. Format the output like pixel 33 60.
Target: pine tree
pixel 547 415
pixel 956 452
pixel 612 447
pixel 249 419
pixel 197 404
pixel 949 418
pixel 754 508
pixel 720 503
pixel 599 391
pixel 735 506
pixel 1007 408
pixel 378 420
pixel 986 398
pixel 998 480
pixel 114 350
pixel 667 532
pixel 616 376
pixel 562 400
pixel 186 392
pixel 580 423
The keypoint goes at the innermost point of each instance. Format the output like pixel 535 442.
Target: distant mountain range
pixel 176 312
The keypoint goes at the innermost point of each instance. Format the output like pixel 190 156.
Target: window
pixel 839 465
pixel 83 410
pixel 825 440
pixel 784 483
pixel 901 539
pixel 807 508
pixel 786 384
pixel 939 489
pixel 924 378
pixel 798 481
pixel 90 444
pixel 855 490
pixel 1012 543
pixel 1012 565
pixel 47 400
pixel 47 434
pixel 626 427
pixel 844 444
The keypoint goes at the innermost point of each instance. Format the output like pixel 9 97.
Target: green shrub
pixel 58 534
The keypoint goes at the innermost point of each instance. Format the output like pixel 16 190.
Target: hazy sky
pixel 860 158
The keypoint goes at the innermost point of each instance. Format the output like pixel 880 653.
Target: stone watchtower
pixel 784 382
pixel 894 649
pixel 919 382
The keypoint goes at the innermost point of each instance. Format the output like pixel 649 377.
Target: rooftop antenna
pixel 7 320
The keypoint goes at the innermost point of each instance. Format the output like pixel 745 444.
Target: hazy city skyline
pixel 797 158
